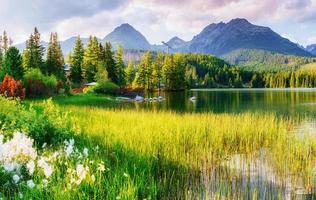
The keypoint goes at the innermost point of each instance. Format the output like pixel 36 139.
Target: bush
pixel 12 88
pixel 89 90
pixel 44 123
pixel 106 86
pixel 38 84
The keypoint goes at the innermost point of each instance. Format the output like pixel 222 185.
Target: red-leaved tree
pixel 12 88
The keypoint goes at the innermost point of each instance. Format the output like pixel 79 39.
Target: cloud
pixel 157 19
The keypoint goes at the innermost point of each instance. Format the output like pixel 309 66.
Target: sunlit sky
pixel 157 19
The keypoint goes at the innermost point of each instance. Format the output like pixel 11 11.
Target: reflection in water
pixel 296 102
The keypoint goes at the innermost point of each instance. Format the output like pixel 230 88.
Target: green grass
pixel 176 151
pixel 169 155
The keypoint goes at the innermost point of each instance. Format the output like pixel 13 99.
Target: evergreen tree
pixel 55 58
pixel 130 73
pixel 120 67
pixel 144 72
pixel 34 52
pixel 110 63
pixel 76 61
pixel 12 64
pixel 91 59
pixel 5 42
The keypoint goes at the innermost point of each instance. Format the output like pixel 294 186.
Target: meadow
pixel 144 154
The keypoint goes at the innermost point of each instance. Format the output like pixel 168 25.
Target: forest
pixel 42 71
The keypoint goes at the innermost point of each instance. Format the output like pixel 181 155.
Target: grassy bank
pixel 186 152
pixel 159 154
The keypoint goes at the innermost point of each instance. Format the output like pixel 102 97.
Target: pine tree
pixel 120 67
pixel 76 61
pixel 34 52
pixel 5 42
pixel 130 73
pixel 12 64
pixel 1 52
pixel 91 59
pixel 55 58
pixel 109 63
pixel 144 72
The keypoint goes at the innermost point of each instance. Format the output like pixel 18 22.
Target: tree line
pixel 42 70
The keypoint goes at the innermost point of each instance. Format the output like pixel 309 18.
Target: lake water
pixel 288 102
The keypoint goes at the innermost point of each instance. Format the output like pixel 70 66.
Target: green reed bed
pixel 199 144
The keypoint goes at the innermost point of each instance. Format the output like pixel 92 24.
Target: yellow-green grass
pixel 200 142
pixel 311 67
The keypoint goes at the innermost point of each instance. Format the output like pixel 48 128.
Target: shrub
pixel 105 87
pixel 89 90
pixel 12 88
pixel 38 84
pixel 44 123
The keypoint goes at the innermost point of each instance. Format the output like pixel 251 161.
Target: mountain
pixel 128 37
pixel 311 49
pixel 222 38
pixel 176 43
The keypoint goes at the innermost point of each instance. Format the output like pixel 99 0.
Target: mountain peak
pixel 239 21
pixel 127 36
pixel 175 39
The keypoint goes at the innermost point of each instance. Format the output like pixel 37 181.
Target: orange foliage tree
pixel 12 88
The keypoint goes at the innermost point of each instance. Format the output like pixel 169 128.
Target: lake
pixel 288 102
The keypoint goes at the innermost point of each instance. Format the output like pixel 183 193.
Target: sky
pixel 158 20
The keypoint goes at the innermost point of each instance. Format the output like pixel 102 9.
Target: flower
pixel 48 169
pixel 16 178
pixel 101 167
pixel 85 152
pixel 30 184
pixel 31 167
pixel 69 147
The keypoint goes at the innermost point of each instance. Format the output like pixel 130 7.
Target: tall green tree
pixel 55 59
pixel 120 67
pixel 91 59
pixel 130 73
pixel 34 52
pixel 110 64
pixel 12 64
pixel 76 61
pixel 143 77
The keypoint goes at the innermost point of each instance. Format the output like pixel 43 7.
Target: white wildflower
pixel 101 167
pixel 16 178
pixel 10 167
pixel 45 182
pixel 81 172
pixel 30 184
pixel 85 152
pixel 126 175
pixel 69 147
pixel 17 151
pixel 31 167
pixel 48 169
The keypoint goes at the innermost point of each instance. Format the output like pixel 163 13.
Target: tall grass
pixel 189 156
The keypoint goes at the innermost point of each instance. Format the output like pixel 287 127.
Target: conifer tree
pixel 109 63
pixel 130 73
pixel 55 58
pixel 144 72
pixel 76 61
pixel 34 52
pixel 12 64
pixel 91 59
pixel 120 67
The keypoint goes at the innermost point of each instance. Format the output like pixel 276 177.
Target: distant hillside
pixel 222 38
pixel 260 60
pixel 311 49
pixel 128 37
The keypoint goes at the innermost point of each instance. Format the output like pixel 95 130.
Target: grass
pixel 169 155
pixel 174 154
